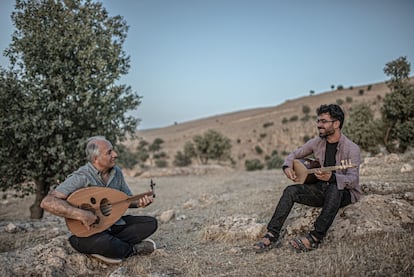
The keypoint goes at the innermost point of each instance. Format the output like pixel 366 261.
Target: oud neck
pixel 323 169
pixel 139 196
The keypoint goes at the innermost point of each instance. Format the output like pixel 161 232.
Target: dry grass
pixel 373 255
pixel 186 250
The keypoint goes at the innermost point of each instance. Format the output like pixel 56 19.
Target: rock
pixel 181 217
pixel 119 272
pixel 233 228
pixel 406 168
pixel 166 216
pixel 374 213
pixel 392 158
pixel 409 196
pixel 383 188
pixel 190 204
pixel 371 160
pixel 11 228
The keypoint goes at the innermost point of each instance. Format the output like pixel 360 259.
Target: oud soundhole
pixel 106 207
pixel 87 207
pixel 93 200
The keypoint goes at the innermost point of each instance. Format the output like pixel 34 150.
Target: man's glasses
pixel 323 121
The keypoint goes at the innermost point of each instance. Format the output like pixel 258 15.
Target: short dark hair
pixel 334 111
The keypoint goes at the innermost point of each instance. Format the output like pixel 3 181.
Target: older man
pixel 128 236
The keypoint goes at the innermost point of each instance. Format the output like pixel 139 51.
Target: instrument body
pixel 305 169
pixel 106 203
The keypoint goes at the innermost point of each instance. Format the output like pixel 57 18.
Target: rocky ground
pixel 209 221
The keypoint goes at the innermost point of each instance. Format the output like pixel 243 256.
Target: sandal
pixel 299 246
pixel 268 242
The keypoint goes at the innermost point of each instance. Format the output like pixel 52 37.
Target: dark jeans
pixel 321 194
pixel 118 241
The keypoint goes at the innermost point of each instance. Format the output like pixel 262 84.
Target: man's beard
pixel 327 132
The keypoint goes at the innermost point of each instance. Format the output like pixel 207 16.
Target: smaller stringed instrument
pixel 305 169
pixel 107 204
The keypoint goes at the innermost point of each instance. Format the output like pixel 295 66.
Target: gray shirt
pixel 346 150
pixel 88 175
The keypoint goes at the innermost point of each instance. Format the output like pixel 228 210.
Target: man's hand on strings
pixel 323 176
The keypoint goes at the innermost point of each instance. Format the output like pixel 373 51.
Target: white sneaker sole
pixel 106 259
pixel 153 242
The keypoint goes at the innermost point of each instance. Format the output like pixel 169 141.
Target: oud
pixel 305 169
pixel 107 204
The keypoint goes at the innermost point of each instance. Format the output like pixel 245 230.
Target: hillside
pixel 208 223
pixel 263 127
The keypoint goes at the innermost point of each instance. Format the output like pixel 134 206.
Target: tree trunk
pixel 387 144
pixel 41 191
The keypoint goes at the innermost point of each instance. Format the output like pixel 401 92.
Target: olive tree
pixel 398 107
pixel 61 88
pixel 363 129
pixel 212 145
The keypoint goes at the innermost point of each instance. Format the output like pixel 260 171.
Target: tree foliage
pixel 181 159
pixel 210 146
pixel 152 152
pixel 274 161
pixel 66 57
pixel 398 108
pixel 254 164
pixel 363 129
pixel 126 158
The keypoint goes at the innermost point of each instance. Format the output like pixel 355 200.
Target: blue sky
pixel 194 59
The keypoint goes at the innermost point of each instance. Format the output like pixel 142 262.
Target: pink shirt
pixel 346 150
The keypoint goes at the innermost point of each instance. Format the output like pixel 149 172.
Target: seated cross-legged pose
pixel 128 236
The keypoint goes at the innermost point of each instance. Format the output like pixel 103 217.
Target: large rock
pixel 233 228
pixel 372 214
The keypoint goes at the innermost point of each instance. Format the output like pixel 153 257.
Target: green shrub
pixel 363 129
pixel 181 159
pixel 211 146
pixel 252 165
pixel 274 162
pixel 305 118
pixel 161 163
pixel 126 158
pixel 306 109
pixel 268 124
pixel 294 118
pixel 258 150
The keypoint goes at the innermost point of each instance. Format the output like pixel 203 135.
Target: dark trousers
pixel 118 241
pixel 321 194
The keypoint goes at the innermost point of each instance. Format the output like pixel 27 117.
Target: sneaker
pixel 106 259
pixel 145 247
